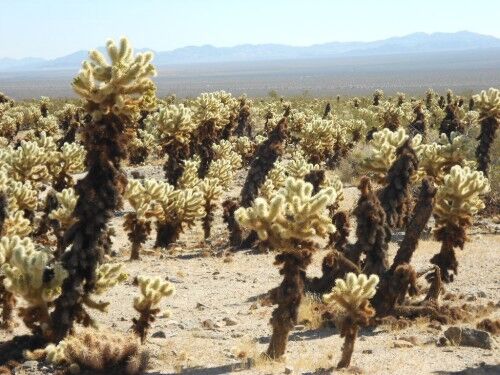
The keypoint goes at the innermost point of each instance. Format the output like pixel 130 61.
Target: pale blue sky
pixel 52 28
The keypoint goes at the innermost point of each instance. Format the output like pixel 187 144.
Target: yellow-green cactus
pixel 488 103
pixel 189 178
pixel 153 290
pixel 353 292
pixel 116 87
pixel 209 107
pixel 383 151
pixel 244 146
pixel 352 297
pixel 25 275
pixel 16 225
pixel 458 198
pixel 107 276
pixel 28 162
pixel 172 123
pixel 436 159
pixel 96 351
pixel 318 137
pixel 66 201
pixel 293 214
pixel 223 170
pixel 21 196
pixel 225 150
pixel 10 244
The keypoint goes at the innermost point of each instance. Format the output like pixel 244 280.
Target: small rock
pixel 288 370
pixel 481 294
pixel 402 344
pixel 367 351
pixel 471 298
pixel 159 335
pixel 411 339
pixel 200 306
pixel 230 322
pixel 443 341
pixel 209 324
pixel 469 337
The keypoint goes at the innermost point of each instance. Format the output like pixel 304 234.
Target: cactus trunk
pixel 99 195
pixel 208 219
pixel 8 302
pixel 288 297
pixel 489 126
pixel 350 332
pixel 166 234
pixel 420 216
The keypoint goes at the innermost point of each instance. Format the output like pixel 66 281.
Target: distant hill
pixel 412 43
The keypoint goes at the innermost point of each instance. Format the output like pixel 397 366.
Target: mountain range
pixel 412 43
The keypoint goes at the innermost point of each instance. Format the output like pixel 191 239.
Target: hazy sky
pixel 52 28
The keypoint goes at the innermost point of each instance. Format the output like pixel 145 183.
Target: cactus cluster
pixel 153 290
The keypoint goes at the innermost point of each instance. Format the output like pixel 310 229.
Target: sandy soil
pixel 216 315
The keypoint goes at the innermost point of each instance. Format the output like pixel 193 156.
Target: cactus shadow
pixel 200 370
pixel 482 369
pixel 306 335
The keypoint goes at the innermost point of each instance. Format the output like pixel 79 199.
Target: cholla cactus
pixel 352 297
pixel 179 210
pixel 390 115
pixel 290 221
pixel 33 275
pixel 436 159
pixel 138 222
pixel 66 162
pixel 63 215
pixel 225 150
pixel 383 152
pixel 208 107
pixel 172 124
pixel 293 214
pixel 8 245
pixel 95 351
pixel 16 224
pixel 318 138
pixel 396 197
pixel 21 197
pixel 66 200
pixel 244 147
pixel 377 95
pixel 222 170
pixel 457 200
pixel 212 192
pixel 28 162
pixel 118 87
pixel 265 156
pixel 173 127
pixel 153 290
pixel 451 122
pixel 107 276
pixel 488 104
pixel 189 178
pixel 114 95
